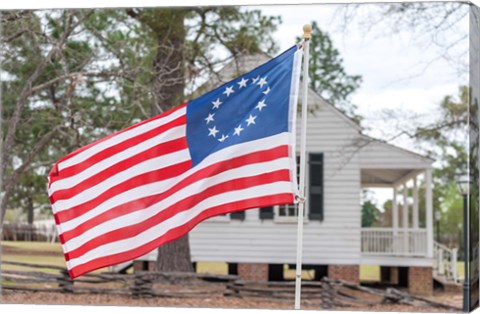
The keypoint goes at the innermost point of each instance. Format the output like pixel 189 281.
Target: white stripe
pixel 180 219
pixel 116 139
pixel 172 134
pixel 292 115
pixel 144 167
pixel 226 153
pixel 196 188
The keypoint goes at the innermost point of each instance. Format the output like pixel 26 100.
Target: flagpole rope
pixel 307 29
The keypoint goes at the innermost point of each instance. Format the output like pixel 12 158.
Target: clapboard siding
pixel 379 155
pixel 335 239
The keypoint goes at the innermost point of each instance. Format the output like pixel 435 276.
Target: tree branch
pixel 12 180
pixel 22 101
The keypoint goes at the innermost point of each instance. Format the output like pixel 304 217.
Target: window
pixel 266 213
pixel 314 193
pixel 315 187
pixel 288 212
pixel 240 215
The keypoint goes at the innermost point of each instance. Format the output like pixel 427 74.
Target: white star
pixel 251 120
pixel 216 103
pixel 242 83
pixel 228 90
pixel 213 131
pixel 238 130
pixel 266 91
pixel 262 81
pixel 209 118
pixel 223 138
pixel 261 105
pixel 255 79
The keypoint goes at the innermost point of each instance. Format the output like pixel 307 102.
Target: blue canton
pixel 248 108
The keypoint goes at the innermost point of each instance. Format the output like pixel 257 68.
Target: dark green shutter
pixel 266 212
pixel 238 215
pixel 315 189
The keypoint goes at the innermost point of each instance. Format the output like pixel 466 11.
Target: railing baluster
pixel 454 265
pixel 384 241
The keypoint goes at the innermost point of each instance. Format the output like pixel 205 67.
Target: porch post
pixel 429 211
pixel 395 212
pixel 395 221
pixel 405 219
pixel 415 203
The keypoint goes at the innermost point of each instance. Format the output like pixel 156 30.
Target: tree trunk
pixel 168 26
pixel 29 218
pixel 175 256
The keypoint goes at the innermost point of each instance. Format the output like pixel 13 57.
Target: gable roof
pixel 378 153
pixel 246 62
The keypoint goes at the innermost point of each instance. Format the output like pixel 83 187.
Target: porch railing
pixel 445 262
pixel 389 242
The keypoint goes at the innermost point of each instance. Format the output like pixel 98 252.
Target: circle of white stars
pixel 259 82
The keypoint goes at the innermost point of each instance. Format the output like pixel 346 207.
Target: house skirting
pixel 418 279
pixel 344 272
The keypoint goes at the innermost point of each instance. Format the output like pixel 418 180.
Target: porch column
pixel 395 212
pixel 429 211
pixel 415 203
pixel 405 219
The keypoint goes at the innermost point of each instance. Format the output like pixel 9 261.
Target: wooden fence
pixel 325 294
pixel 140 284
pixel 26 232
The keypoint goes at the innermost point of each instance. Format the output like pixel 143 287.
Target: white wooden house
pixel 342 161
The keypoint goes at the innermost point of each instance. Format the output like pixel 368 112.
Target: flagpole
pixel 307 29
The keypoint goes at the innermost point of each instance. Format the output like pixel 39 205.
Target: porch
pixel 388 242
pixel 405 233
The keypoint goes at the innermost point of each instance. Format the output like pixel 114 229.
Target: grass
pixel 212 268
pixel 461 270
pixel 367 272
pixel 289 274
pixel 30 252
pixel 34 246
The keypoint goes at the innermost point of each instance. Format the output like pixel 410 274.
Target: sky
pixel 390 68
pixel 398 72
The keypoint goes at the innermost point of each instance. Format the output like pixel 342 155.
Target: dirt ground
pixel 216 302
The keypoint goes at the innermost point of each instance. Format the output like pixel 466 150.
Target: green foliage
pixel 446 141
pixel 451 219
pixel 448 134
pixel 327 74
pixel 370 214
pixel 102 79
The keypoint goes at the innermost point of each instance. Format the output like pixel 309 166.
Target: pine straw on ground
pixel 216 302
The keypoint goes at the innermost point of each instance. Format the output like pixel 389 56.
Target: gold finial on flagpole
pixel 307 31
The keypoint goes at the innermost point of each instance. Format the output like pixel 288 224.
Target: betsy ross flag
pixel 229 150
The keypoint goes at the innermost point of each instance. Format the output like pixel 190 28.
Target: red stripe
pixel 139 204
pixel 53 172
pixel 145 178
pixel 178 232
pixel 183 205
pixel 117 148
pixel 154 152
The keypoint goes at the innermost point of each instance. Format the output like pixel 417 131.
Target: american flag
pixel 229 150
